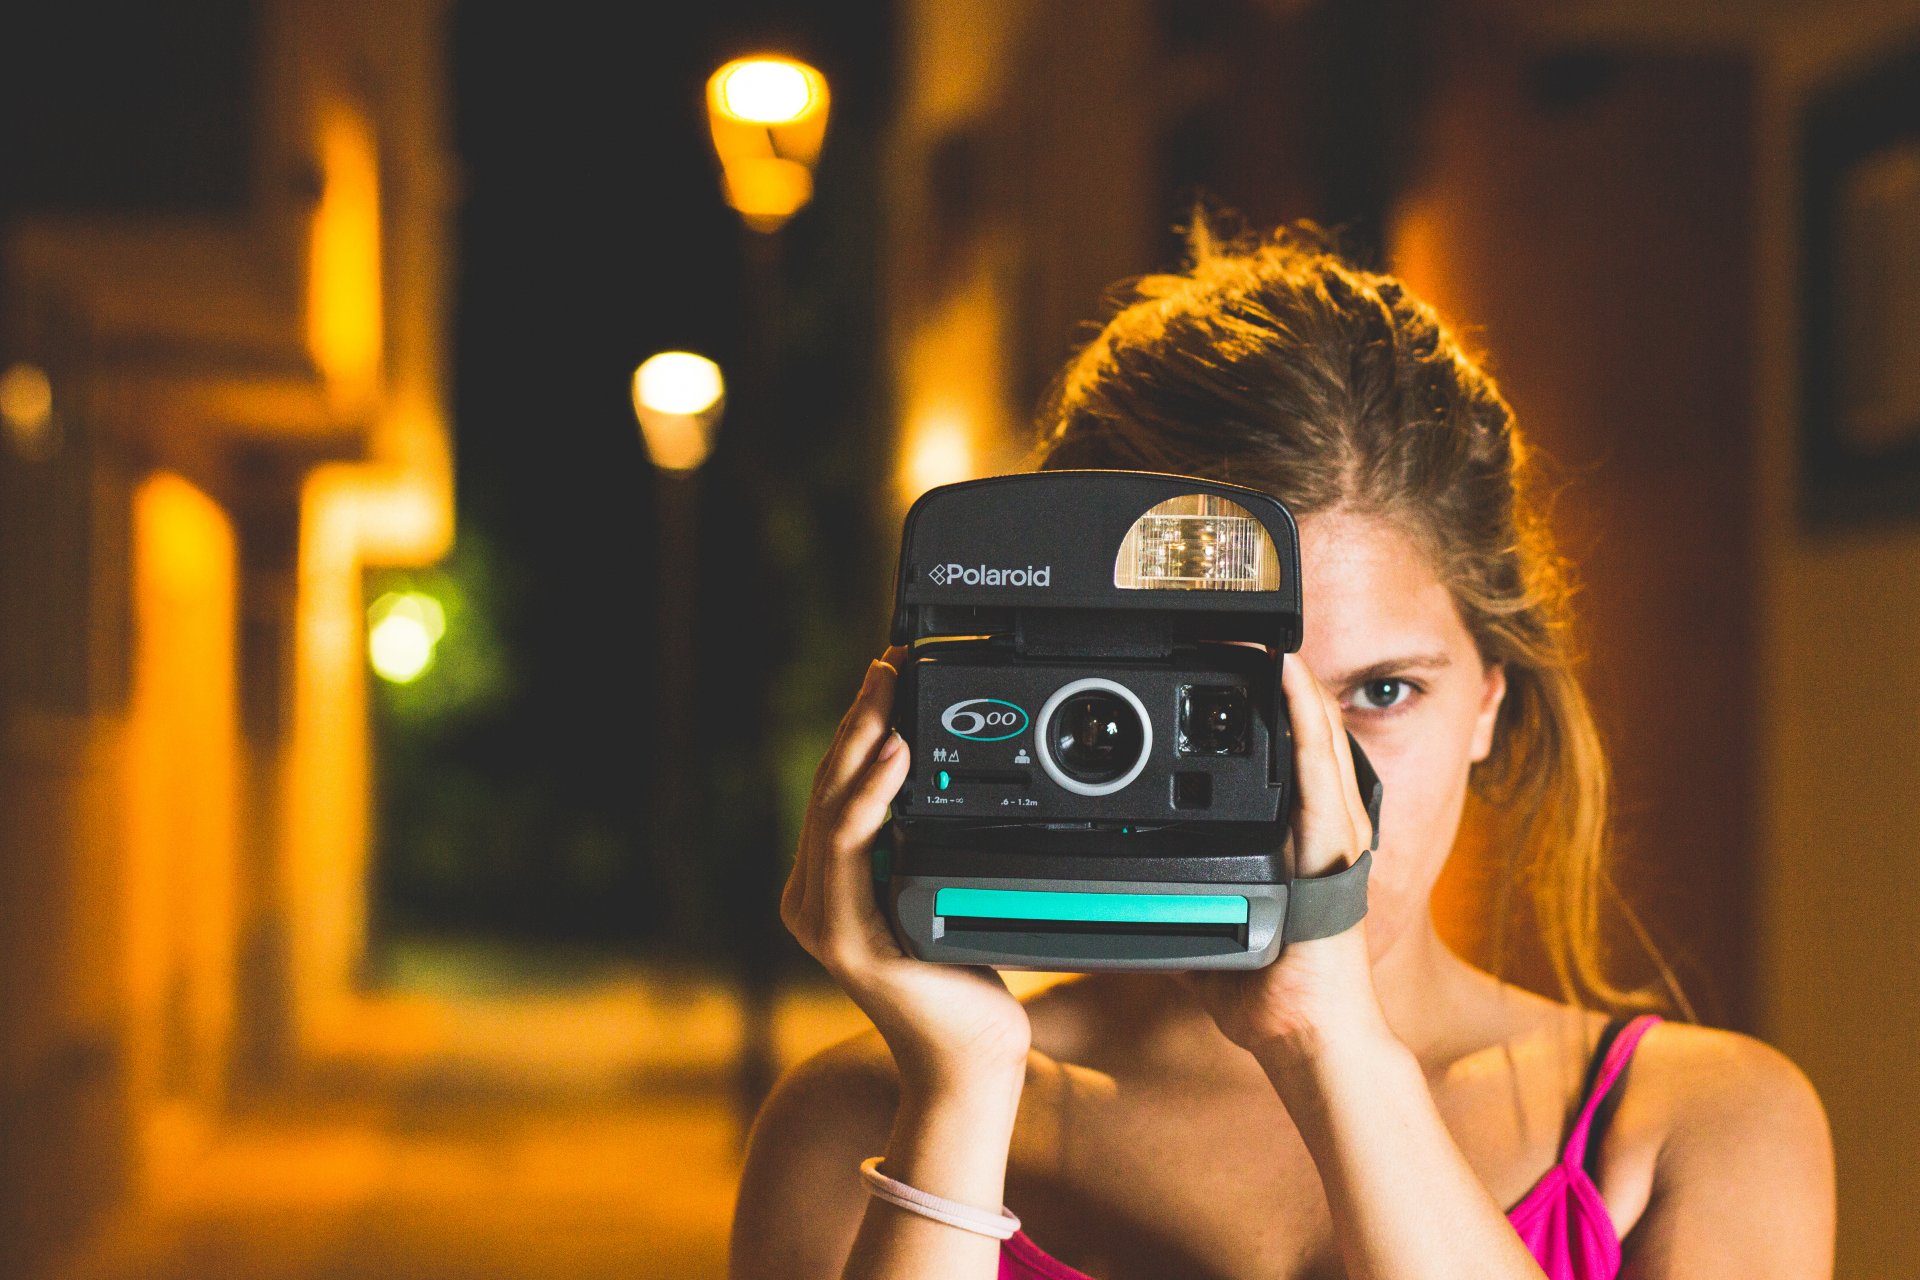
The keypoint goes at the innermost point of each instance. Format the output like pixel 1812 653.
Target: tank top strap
pixel 1610 1067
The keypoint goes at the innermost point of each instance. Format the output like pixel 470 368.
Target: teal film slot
pixel 1123 908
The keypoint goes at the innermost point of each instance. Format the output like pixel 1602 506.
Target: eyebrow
pixel 1393 666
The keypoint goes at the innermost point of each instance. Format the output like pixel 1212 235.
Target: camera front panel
pixel 1000 738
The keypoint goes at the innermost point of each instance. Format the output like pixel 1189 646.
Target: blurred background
pixel 409 685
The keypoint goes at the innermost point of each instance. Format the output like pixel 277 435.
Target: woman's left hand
pixel 1323 987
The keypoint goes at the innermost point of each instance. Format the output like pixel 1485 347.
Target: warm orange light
pixel 677 396
pixel 768 115
pixel 26 409
pixel 352 515
pixel 939 449
pixel 344 314
pixel 182 760
pixel 766 90
pixel 767 191
pixel 678 382
pixel 400 518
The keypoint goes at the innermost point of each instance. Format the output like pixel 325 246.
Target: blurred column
pixel 267 529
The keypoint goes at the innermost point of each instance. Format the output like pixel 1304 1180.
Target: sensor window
pixel 1214 720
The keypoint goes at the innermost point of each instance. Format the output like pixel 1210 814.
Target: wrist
pixel 984 1089
pixel 951 1137
pixel 1314 1057
pixel 989 1065
pixel 1325 1000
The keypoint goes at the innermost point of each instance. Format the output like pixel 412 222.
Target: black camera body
pixel 1102 761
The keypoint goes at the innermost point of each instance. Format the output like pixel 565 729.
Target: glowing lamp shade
pixel 403 627
pixel 768 115
pixel 1197 542
pixel 766 90
pixel 678 396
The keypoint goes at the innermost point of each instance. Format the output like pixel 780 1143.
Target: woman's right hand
pixel 945 1024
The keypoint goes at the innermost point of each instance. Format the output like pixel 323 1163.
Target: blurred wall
pixel 1833 695
pixel 1839 969
pixel 1583 210
pixel 1016 193
pixel 223 400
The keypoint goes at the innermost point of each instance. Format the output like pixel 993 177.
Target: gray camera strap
pixel 1321 906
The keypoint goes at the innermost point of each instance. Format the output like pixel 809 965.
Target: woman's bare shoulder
pixel 801 1198
pixel 1726 1069
pixel 1742 1176
pixel 1718 1093
pixel 852 1082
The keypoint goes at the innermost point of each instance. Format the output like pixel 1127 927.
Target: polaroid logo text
pixel 981 576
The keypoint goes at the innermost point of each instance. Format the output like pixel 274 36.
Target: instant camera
pixel 1102 760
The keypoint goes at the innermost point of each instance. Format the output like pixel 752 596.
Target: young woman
pixel 1369 1105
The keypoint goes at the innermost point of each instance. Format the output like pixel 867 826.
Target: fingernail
pixel 893 745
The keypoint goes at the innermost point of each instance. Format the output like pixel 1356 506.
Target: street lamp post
pixel 678 397
pixel 768 117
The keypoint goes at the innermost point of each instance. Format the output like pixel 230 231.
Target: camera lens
pixel 1094 736
pixel 1213 720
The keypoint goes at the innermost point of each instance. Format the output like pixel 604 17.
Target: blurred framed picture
pixel 1860 298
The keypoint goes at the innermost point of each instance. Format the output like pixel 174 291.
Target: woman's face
pixel 1383 634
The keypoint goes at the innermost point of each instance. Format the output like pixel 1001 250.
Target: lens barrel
pixel 1094 736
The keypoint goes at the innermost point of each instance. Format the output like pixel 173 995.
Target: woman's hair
pixel 1274 364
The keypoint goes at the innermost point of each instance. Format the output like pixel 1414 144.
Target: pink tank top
pixel 1562 1220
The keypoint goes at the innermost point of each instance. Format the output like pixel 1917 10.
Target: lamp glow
pixel 345 313
pixel 678 382
pixel 26 409
pixel 939 449
pixel 768 116
pixel 403 629
pixel 765 90
pixel 678 396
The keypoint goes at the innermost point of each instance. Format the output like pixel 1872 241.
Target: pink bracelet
pixel 951 1212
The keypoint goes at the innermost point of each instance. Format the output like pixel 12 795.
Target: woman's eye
pixel 1381 695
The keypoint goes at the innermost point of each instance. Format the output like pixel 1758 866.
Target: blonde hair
pixel 1274 363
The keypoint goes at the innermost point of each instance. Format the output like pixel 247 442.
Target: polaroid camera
pixel 1102 761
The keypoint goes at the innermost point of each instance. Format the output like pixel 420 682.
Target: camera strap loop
pixel 1321 906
